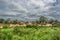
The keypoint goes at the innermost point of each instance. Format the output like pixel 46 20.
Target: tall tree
pixel 15 21
pixel 51 21
pixel 1 20
pixel 43 20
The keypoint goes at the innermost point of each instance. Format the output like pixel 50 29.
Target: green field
pixel 30 33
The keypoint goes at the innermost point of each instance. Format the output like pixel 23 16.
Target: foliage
pixel 15 21
pixel 8 21
pixel 43 20
pixel 24 33
pixel 1 20
pixel 16 30
pixel 32 26
pixel 5 27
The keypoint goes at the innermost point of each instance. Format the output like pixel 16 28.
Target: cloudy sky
pixel 29 10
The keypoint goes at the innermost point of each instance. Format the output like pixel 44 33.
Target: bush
pixel 5 27
pixel 32 26
pixel 55 25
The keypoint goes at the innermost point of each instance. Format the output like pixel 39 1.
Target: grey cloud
pixel 29 10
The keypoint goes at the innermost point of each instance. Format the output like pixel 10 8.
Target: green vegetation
pixel 42 20
pixel 9 21
pixel 45 20
pixel 30 32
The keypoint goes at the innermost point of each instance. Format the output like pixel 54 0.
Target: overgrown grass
pixel 30 32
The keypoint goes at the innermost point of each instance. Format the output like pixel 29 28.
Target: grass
pixel 30 33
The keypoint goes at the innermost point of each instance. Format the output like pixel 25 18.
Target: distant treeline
pixel 9 21
pixel 42 20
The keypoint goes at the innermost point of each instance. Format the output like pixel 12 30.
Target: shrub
pixel 5 27
pixel 32 26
